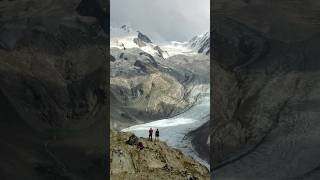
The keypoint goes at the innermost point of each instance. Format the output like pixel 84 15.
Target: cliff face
pixel 155 161
pixel 265 97
pixel 53 69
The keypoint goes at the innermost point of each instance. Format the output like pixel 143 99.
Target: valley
pixel 166 87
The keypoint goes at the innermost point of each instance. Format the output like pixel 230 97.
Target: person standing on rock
pixel 150 134
pixel 157 135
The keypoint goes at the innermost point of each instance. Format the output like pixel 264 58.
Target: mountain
pixel 150 90
pixel 155 161
pixel 125 37
pixel 201 43
pixel 146 88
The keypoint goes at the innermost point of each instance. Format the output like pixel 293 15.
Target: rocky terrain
pixel 145 86
pixel 155 161
pixel 53 89
pixel 141 90
pixel 126 37
pixel 201 43
pixel 168 92
pixel 265 74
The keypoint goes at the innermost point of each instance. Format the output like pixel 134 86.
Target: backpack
pixel 133 140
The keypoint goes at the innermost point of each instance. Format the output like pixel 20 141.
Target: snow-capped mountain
pixel 125 37
pixel 201 43
pixel 198 44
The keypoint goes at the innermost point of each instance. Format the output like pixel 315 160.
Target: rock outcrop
pixel 144 38
pixel 155 161
pixel 139 42
pixel 201 43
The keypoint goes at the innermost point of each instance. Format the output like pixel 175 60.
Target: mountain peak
pixel 201 43
pixel 143 37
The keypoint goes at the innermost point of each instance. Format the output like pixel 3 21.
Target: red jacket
pixel 150 131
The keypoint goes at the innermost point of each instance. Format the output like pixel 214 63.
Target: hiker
pixel 140 146
pixel 150 134
pixel 157 135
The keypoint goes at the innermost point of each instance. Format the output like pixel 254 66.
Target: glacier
pixel 174 130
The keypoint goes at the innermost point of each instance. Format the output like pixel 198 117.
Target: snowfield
pixel 176 48
pixel 124 37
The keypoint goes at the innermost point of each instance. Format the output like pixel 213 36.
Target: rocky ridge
pixel 201 43
pixel 125 37
pixel 155 161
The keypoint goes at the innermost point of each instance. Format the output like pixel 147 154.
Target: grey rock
pixel 144 38
pixel 139 42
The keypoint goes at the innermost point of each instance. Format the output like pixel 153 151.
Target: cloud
pixel 163 19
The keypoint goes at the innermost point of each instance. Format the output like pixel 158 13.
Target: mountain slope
pixel 155 161
pixel 142 89
pixel 125 37
pixel 144 85
pixel 201 43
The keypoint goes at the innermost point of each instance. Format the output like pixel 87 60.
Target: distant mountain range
pixel 126 37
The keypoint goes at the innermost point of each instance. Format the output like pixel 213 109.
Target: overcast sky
pixel 167 20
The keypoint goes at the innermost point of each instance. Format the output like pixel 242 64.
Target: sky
pixel 163 20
